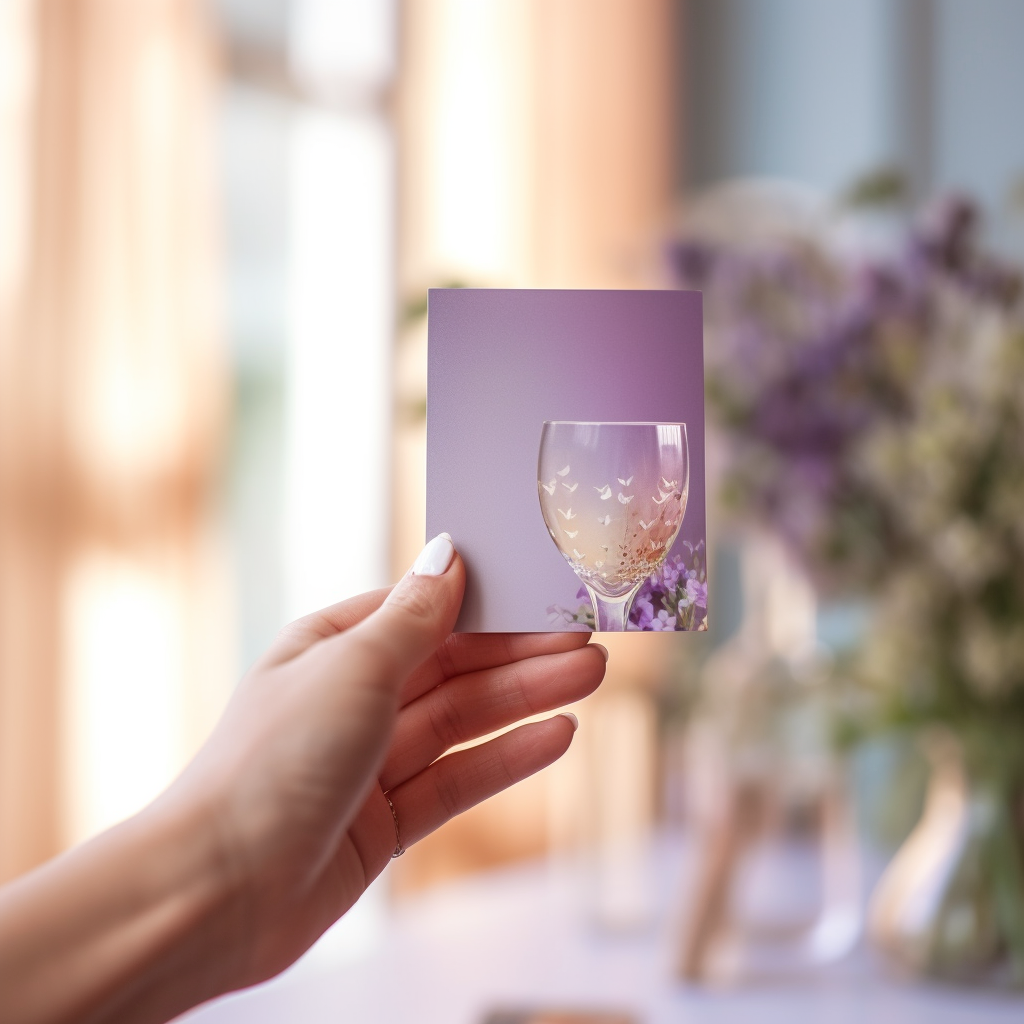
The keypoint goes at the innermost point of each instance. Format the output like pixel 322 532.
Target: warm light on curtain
pixel 113 632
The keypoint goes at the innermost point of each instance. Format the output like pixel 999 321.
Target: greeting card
pixel 565 456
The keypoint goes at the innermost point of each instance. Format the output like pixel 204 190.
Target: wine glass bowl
pixel 613 497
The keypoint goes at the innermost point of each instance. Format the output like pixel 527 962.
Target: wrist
pixel 192 906
pixel 138 924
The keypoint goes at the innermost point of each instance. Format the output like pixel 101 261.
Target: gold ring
pixel 399 848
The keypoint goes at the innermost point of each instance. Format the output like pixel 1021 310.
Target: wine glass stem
pixel 611 615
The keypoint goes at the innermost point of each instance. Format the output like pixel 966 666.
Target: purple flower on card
pixel 669 577
pixel 670 596
pixel 642 612
pixel 697 592
pixel 558 616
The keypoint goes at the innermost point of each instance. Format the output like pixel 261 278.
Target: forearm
pixel 135 925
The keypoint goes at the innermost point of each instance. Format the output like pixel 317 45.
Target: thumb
pixel 417 615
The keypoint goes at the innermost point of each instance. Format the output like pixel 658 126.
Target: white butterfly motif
pixel 571 534
pixel 550 488
pixel 568 515
pixel 665 495
pixel 604 492
pixel 647 526
pixel 570 487
pixel 625 483
pixel 562 472
pixel 669 484
pixel 624 498
pixel 604 520
pixel 577 555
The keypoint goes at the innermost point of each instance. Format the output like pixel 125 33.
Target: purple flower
pixel 655 585
pixel 692 261
pixel 661 594
pixel 697 592
pixel 947 229
pixel 558 616
pixel 642 612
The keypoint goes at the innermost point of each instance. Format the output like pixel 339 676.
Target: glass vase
pixel 950 905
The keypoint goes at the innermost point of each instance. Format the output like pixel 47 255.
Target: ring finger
pixel 457 782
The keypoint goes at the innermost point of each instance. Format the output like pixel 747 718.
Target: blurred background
pixel 218 223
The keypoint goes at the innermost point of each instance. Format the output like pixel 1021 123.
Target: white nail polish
pixel 435 558
pixel 573 720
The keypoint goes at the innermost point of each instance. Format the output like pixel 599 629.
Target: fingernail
pixel 435 558
pixel 574 721
pixel 602 649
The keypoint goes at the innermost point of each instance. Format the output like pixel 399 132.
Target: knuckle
pixel 500 770
pixel 445 655
pixel 449 792
pixel 414 599
pixel 445 717
pixel 514 690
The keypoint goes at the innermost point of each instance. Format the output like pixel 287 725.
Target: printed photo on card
pixel 565 456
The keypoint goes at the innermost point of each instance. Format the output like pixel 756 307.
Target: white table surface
pixel 525 937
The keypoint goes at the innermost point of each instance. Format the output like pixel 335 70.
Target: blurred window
pixel 307 159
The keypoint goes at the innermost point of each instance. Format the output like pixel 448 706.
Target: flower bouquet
pixel 872 409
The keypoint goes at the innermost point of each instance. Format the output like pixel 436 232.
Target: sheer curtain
pixel 112 404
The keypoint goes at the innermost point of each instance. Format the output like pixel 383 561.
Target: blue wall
pixel 822 91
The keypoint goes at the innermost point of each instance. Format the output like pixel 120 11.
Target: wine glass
pixel 613 496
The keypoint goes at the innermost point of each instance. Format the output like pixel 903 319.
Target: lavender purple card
pixel 565 456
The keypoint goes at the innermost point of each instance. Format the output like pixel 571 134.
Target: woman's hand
pixel 362 700
pixel 281 821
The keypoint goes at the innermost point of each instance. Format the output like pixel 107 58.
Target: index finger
pixel 301 634
pixel 473 652
pixel 459 654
